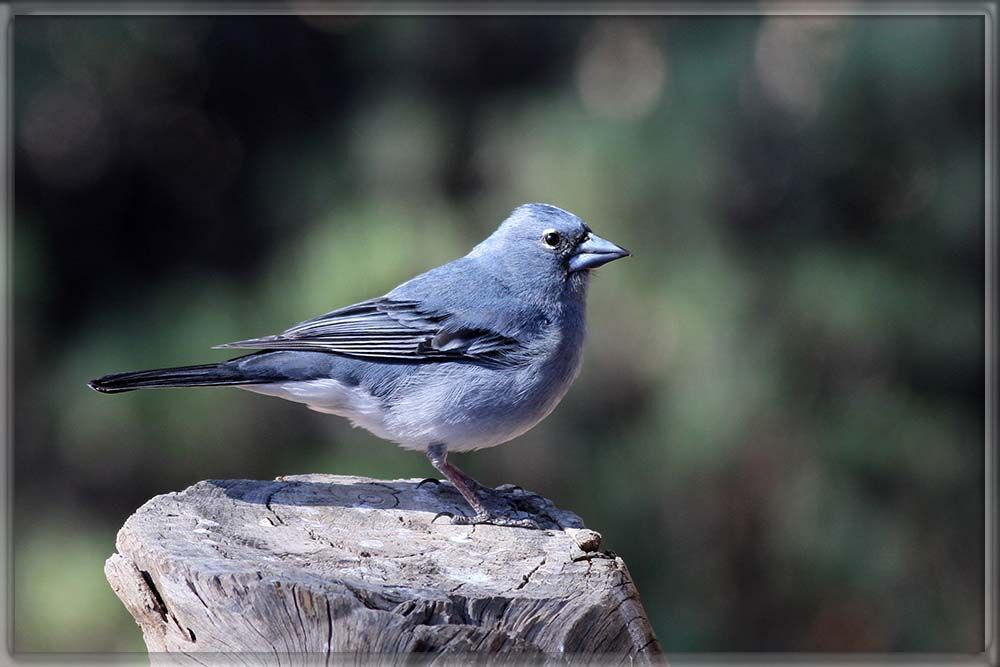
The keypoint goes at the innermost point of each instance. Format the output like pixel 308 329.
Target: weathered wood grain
pixel 307 567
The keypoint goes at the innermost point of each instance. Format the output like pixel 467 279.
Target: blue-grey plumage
pixel 467 355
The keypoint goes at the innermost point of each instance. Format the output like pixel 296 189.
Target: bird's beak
pixel 594 252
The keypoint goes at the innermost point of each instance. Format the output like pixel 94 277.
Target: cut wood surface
pixel 318 565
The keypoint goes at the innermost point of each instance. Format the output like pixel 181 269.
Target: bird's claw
pixel 447 514
pixel 494 520
pixel 431 480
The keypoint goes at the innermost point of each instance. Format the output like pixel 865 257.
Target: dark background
pixel 780 421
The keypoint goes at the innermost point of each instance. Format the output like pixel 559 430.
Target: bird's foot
pixel 494 520
pixel 521 500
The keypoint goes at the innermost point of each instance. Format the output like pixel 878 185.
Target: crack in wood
pixel 161 607
pixel 527 577
pixel 194 590
pixel 329 633
pixel 267 502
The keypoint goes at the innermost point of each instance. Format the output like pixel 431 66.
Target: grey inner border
pixel 988 10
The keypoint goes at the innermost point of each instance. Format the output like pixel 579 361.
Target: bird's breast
pixel 469 407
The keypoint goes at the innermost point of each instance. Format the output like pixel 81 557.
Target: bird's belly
pixel 464 407
pixel 482 408
pixel 332 397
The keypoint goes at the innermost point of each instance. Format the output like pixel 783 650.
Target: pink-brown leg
pixel 438 456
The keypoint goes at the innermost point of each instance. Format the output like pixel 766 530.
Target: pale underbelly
pixel 462 413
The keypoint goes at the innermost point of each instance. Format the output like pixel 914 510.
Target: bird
pixel 468 355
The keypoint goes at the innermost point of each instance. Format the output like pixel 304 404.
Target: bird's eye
pixel 551 238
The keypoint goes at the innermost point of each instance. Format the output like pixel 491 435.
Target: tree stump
pixel 309 566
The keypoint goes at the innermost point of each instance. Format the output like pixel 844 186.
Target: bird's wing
pixel 391 329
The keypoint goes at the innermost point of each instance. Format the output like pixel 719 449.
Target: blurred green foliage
pixel 780 421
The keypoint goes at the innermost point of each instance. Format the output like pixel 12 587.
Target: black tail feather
pixel 207 375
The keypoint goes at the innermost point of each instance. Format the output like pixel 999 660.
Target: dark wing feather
pixel 390 329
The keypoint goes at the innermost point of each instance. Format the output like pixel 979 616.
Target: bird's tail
pixel 207 375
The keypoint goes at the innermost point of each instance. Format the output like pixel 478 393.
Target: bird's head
pixel 541 242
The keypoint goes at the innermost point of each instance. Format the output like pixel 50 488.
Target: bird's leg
pixel 469 481
pixel 438 456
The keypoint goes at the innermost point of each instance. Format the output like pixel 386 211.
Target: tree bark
pixel 306 567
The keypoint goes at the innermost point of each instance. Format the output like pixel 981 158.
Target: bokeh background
pixel 780 421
